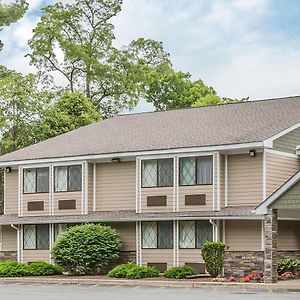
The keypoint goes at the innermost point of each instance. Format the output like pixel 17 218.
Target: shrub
pixel 287 265
pixel 15 269
pixel 42 268
pixel 180 272
pixel 132 271
pixel 213 255
pixel 86 249
pixel 254 276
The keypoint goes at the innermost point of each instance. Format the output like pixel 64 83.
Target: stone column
pixel 271 235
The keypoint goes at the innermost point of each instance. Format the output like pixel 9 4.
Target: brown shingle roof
pixel 252 121
pixel 130 215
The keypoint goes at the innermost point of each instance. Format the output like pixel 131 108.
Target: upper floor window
pixel 157 172
pixel 196 170
pixel 36 180
pixel 68 178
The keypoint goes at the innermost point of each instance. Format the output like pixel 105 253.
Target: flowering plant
pixel 232 278
pixel 254 276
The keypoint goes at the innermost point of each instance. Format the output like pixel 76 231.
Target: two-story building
pixel 167 181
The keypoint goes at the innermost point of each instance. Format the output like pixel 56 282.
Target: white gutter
pixel 138 153
pixel 215 229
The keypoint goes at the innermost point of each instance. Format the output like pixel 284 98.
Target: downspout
pixel 18 241
pixel 215 229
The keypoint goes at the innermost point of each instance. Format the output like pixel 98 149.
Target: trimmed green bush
pixel 132 271
pixel 15 269
pixel 180 272
pixel 86 249
pixel 213 255
pixel 288 265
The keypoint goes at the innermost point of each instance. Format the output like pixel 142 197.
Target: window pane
pixel 204 232
pixel 61 179
pixel 29 237
pixel 165 234
pixel 149 235
pixel 59 229
pixel 187 234
pixel 187 171
pixel 75 178
pixel 42 236
pixel 165 172
pixel 149 173
pixel 42 180
pixel 205 170
pixel 29 180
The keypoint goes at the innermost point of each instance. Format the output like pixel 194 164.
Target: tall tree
pixel 69 112
pixel 10 13
pixel 76 40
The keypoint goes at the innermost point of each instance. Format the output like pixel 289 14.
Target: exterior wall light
pixel 252 153
pixel 8 169
pixel 115 160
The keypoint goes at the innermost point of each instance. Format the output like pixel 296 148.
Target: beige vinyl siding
pixel 245 179
pixel 36 197
pixel 68 196
pixel 11 192
pixel 36 255
pixel 127 235
pixel 243 235
pixel 190 256
pixel 116 185
pixel 288 142
pixel 90 186
pixel 157 191
pixel 279 169
pixel 288 235
pixel 158 256
pixel 9 238
pixel 193 190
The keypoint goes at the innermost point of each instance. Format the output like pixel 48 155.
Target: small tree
pixel 213 255
pixel 86 249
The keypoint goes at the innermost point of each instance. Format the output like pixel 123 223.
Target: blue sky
pixel 240 47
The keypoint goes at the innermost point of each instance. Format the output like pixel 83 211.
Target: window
pixel 36 236
pixel 157 235
pixel 193 234
pixel 36 180
pixel 61 228
pixel 157 173
pixel 196 170
pixel 68 178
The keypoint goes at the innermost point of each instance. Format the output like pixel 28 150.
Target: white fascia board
pixel 263 207
pixel 270 140
pixel 128 154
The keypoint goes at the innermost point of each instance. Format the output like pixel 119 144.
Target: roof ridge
pixel 207 106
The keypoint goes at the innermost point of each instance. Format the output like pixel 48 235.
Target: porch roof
pixel 245 212
pixel 285 197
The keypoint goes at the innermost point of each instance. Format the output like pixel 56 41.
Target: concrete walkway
pixel 292 285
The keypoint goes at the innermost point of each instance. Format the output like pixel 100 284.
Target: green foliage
pixel 180 272
pixel 132 271
pixel 10 13
pixel 288 265
pixel 213 255
pixel 69 112
pixel 21 103
pixel 86 249
pixel 15 269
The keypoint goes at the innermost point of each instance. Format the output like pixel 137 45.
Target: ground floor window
pixel 60 228
pixel 192 234
pixel 36 236
pixel 157 235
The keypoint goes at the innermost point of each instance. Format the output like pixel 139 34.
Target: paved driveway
pixel 76 292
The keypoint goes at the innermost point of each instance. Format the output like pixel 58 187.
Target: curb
pixel 262 287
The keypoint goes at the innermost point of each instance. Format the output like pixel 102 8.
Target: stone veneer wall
pixel 241 263
pixel 8 255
